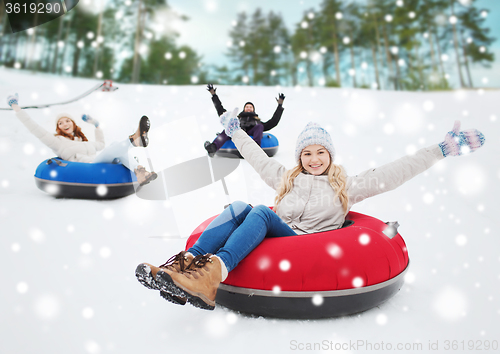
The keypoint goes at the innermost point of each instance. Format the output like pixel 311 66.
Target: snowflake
pixel 47 307
pixel 428 198
pixel 357 282
pixel 381 319
pixel 105 252
pixel 389 128
pixel 364 239
pixel 86 248
pixel 88 313
pixel 409 278
pixel 317 300
pixel 108 213
pixel 285 265
pixel 37 235
pixel 334 250
pixel 428 106
pixel 461 240
pixel 450 304
pixel 22 287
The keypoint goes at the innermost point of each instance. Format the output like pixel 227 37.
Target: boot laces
pixel 179 258
pixel 198 264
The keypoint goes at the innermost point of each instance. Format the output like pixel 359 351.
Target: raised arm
pixel 270 170
pixel 99 135
pixel 394 174
pixel 271 123
pixel 43 135
pixel 215 99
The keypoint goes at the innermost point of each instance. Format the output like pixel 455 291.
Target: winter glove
pixel 458 143
pixel 211 89
pixel 280 99
pixel 13 99
pixel 90 120
pixel 230 122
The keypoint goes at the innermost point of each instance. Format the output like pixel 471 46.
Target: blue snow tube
pixel 67 179
pixel 269 144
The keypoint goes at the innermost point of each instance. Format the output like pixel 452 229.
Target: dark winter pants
pixel 255 131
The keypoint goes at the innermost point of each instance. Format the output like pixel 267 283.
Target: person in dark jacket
pixel 249 121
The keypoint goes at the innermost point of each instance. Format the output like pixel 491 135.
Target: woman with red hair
pixel 69 143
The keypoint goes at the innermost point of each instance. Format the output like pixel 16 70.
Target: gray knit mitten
pixel 90 120
pixel 13 99
pixel 458 142
pixel 231 122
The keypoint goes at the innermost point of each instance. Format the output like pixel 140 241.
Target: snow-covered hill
pixel 67 266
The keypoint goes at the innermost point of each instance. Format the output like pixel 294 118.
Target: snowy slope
pixel 67 266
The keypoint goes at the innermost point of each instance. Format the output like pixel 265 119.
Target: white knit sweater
pixel 311 206
pixel 65 148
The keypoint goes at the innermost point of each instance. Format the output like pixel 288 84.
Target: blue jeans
pixel 237 231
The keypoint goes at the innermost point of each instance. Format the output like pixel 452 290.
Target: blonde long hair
pixel 336 177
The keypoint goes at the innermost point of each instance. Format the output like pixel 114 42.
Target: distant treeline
pixel 384 44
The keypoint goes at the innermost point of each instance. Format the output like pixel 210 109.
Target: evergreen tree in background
pixel 259 48
pixel 304 45
pixel 331 14
pixel 474 39
pixel 382 44
pixel 103 45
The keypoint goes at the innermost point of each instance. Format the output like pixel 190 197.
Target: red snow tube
pixel 325 274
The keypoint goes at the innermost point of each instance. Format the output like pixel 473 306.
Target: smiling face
pixel 66 125
pixel 315 159
pixel 248 108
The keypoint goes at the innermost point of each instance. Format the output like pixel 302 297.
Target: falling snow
pixel 285 265
pixel 364 239
pixel 382 319
pixel 69 264
pixel 450 304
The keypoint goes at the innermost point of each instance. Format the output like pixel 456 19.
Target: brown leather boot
pixel 146 273
pixel 143 176
pixel 198 284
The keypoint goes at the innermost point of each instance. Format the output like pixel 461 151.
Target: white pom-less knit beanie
pixel 63 115
pixel 311 135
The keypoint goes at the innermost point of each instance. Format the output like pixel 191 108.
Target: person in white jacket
pixel 314 196
pixel 69 143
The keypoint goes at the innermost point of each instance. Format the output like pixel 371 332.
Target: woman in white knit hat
pixel 69 142
pixel 315 196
